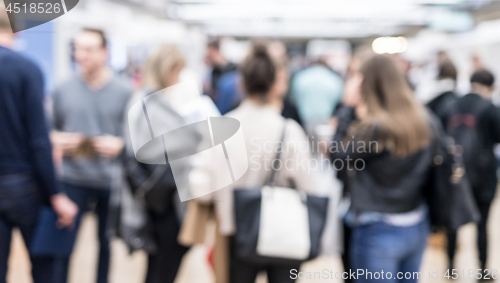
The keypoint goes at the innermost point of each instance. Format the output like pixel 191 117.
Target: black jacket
pixel 290 111
pixel 378 181
pixel 489 134
pixel 442 105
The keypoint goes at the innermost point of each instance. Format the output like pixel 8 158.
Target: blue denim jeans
pixel 20 203
pixel 96 199
pixel 381 247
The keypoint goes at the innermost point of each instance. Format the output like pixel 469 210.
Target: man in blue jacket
pixel 27 178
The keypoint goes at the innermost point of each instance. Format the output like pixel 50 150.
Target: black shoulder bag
pixel 248 205
pixel 451 203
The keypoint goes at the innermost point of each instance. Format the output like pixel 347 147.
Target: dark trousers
pixel 241 271
pixel 164 264
pixel 346 259
pixel 97 199
pixel 20 203
pixel 482 236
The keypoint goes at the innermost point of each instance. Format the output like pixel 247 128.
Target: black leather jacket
pixel 441 106
pixel 378 181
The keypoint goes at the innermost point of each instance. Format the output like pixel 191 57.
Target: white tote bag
pixel 284 224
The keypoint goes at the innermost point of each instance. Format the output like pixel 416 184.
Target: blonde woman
pixel 162 205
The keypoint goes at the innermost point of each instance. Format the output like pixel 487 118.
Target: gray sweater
pixel 76 108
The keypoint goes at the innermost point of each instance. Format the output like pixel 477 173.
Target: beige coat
pixel 262 127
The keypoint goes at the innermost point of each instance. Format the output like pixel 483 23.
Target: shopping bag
pixel 48 239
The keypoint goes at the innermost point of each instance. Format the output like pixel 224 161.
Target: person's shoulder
pixel 209 106
pixel 16 62
pixel 121 85
pixel 432 119
pixel 327 74
pixel 120 89
pixel 25 62
pixel 491 108
pixel 67 83
pixel 231 67
pixel 470 97
pixel 300 73
pixel 10 56
pixel 294 128
pixel 235 113
pixel 475 102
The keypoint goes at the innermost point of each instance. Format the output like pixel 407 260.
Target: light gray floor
pixel 131 269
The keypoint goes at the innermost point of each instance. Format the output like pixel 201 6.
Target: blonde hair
pixel 160 65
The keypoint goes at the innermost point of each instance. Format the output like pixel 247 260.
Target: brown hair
pixel 447 71
pixel 483 77
pixel 214 43
pixel 159 65
pixel 258 72
pixel 100 33
pixel 399 120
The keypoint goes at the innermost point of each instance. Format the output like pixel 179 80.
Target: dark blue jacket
pixel 24 141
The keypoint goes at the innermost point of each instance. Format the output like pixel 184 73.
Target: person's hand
pixel 361 110
pixel 108 146
pixel 352 91
pixel 333 122
pixel 65 209
pixel 66 142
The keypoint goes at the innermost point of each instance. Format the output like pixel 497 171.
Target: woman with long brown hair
pixel 383 139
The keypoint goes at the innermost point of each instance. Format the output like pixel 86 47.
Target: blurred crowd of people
pixel 79 159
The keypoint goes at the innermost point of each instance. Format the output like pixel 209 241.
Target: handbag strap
pixel 273 176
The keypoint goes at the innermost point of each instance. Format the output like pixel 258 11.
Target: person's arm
pixel 37 130
pixel 64 143
pixel 363 145
pixel 347 148
pixel 41 149
pixel 345 116
pixel 494 119
pixel 290 111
